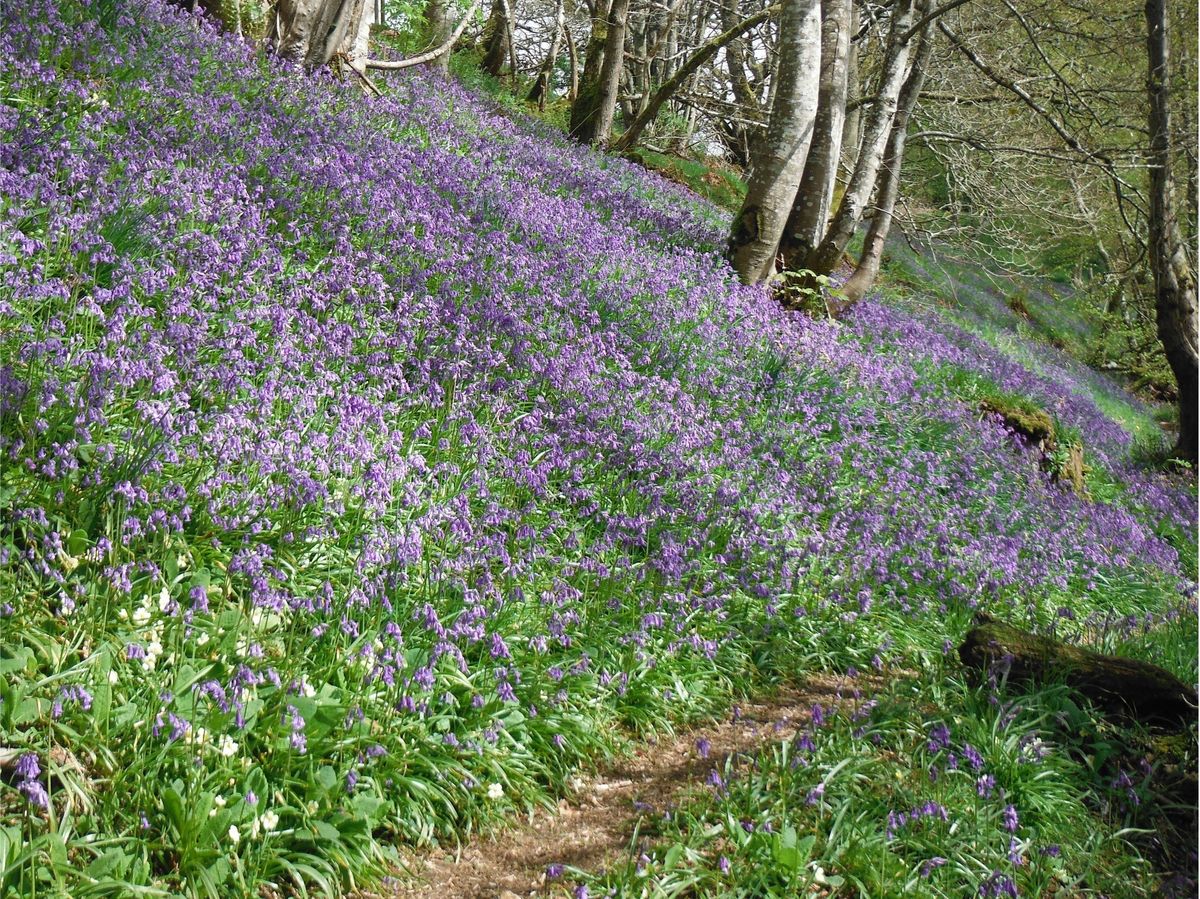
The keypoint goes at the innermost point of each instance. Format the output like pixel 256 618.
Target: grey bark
pixel 573 56
pixel 888 189
pixel 735 56
pixel 806 224
pixel 738 135
pixel 1174 280
pixel 361 45
pixel 694 62
pixel 497 44
pixel 828 252
pixel 583 107
pixel 311 32
pixel 541 87
pixel 659 26
pixel 597 102
pixel 852 126
pixel 771 190
pixel 636 73
pixel 438 28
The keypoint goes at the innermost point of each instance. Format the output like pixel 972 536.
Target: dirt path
pixel 594 827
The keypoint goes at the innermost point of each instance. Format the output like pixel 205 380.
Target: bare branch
pixel 430 55
pixel 930 16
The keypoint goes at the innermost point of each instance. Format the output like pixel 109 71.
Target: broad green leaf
pixel 77 542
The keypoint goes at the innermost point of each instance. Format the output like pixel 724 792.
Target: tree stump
pixel 1123 687
pixel 1036 426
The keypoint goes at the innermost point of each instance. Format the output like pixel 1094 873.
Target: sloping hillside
pixel 367 462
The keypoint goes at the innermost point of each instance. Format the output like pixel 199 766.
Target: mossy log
pixel 1038 429
pixel 1032 423
pixel 1122 687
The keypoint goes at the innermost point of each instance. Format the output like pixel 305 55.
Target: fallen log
pixel 1122 687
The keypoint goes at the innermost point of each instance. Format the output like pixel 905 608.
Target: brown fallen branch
pixel 1127 688
pixel 428 55
pixel 367 83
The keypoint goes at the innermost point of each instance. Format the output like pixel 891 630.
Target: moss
pixel 1017 303
pixel 1022 417
pixel 710 179
pixel 1125 688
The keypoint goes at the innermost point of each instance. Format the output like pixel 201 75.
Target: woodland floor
pixel 595 827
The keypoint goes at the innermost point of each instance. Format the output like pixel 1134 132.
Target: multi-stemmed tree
pixel 1023 108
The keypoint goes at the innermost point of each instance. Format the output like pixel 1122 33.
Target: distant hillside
pixel 369 464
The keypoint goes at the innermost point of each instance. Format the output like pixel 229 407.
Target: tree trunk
pixel 1125 687
pixel 809 213
pixel 852 125
pixel 681 140
pixel 778 166
pixel 888 188
pixel 311 32
pixel 583 107
pixel 593 54
pixel 636 75
pixel 573 56
pixel 496 44
pixel 738 137
pixel 438 28
pixel 541 87
pixel 1174 281
pixel 829 252
pixel 361 44
pixel 597 101
pixel 695 61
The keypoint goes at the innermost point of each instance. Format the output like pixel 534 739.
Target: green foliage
pixel 204 815
pixel 710 179
pixel 1130 344
pixel 1071 258
pixel 932 788
pixel 465 66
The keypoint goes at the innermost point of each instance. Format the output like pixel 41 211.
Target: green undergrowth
pixel 927 787
pixel 717 183
pixel 1028 321
pixel 709 178
pixel 919 781
pixel 309 785
pixel 993 303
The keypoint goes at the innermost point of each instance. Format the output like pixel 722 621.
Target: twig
pixel 367 82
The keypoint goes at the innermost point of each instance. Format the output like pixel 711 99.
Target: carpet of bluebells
pixel 370 464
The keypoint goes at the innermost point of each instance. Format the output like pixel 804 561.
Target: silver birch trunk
pixel 825 257
pixel 888 189
pixel 806 224
pixel 771 190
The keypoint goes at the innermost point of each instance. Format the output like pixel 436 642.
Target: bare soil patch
pixel 594 827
